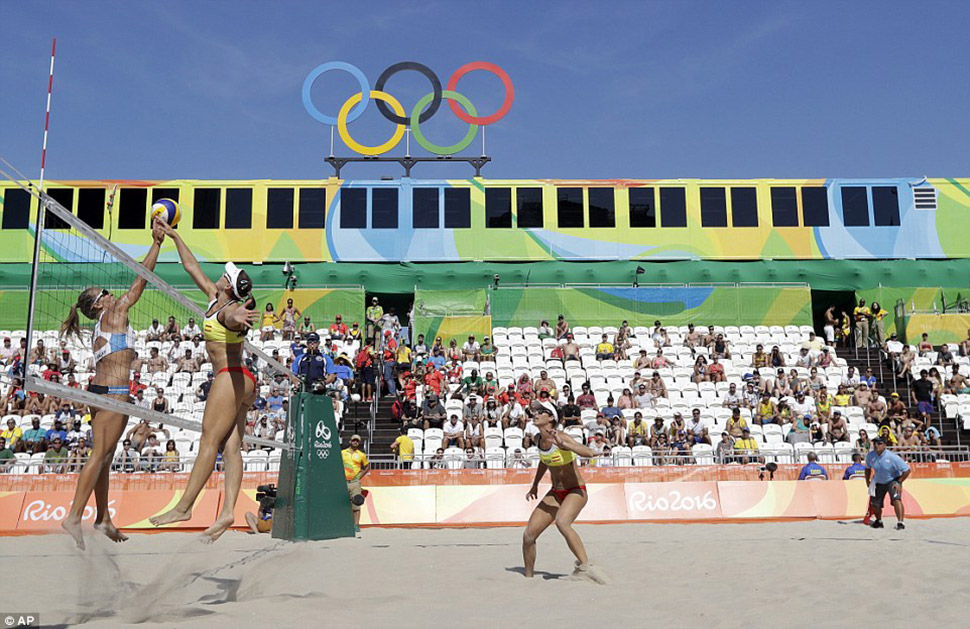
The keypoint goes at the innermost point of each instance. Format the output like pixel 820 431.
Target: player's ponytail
pixel 71 327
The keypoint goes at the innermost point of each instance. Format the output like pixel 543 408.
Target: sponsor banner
pixel 10 504
pixel 672 501
pixel 774 499
pixel 42 511
pixel 399 505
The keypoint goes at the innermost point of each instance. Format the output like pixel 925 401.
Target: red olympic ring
pixel 497 71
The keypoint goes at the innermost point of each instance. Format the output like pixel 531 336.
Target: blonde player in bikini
pixel 113 342
pixel 557 454
pixel 228 318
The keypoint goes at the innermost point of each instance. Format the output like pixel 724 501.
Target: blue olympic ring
pixel 356 112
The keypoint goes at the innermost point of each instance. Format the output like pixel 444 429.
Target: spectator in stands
pixel 861 315
pixel 562 328
pixel 751 395
pixel 487 351
pixel 56 457
pixel 723 451
pixel 268 323
pixel 611 410
pixel 876 314
pixel 403 448
pixel 545 331
pixel 945 357
pixel 389 356
pixel 403 360
pixel 656 386
pixel 373 316
pixel 759 359
pixel 7 456
pixel 65 413
pixel 306 326
pixel 545 383
pixel 823 404
pixel 187 363
pixel 432 412
pixel 170 458
pixel 700 371
pixel 732 398
pixel 35 437
pixel 56 432
pixel 957 384
pixel 420 348
pixel 604 349
pixel 51 371
pixel 586 400
pixel 924 344
pixel 800 429
pixel 454 432
pixel 716 370
pixel 719 347
pixel 472 408
pixel 290 315
pixel 338 329
pixel 8 351
pixel 851 380
pixel 637 433
pixel 876 409
pixel 825 359
pixel 746 448
pixel 191 330
pixel 642 361
pixel 171 331
pixel 38 355
pixel 621 343
pixel 570 349
pixel 657 430
pixel 571 413
pixel 150 456
pixel 735 423
pixel 766 412
pixel 965 345
pixel 709 337
pixel 921 394
pixel 13 436
pixel 838 428
pixel 492 415
pixel 202 392
pixel 644 399
pixel 697 430
pixel 64 361
pixel 693 338
pixel 910 440
pixel 626 400
pixel 804 360
pixel 868 378
pixel 812 470
pixel 155 362
pixel 471 350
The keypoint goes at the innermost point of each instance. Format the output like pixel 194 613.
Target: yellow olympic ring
pixel 356 146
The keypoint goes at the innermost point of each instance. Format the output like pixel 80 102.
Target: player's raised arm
pixel 189 262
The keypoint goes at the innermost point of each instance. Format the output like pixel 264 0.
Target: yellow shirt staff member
pixel 356 467
pixel 403 447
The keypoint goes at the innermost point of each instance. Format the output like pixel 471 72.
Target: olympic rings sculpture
pixel 393 111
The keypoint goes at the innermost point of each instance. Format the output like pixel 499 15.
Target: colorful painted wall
pixel 310 222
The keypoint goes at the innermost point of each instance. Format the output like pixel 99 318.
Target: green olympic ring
pixel 434 148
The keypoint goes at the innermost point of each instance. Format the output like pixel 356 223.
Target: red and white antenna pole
pixel 47 118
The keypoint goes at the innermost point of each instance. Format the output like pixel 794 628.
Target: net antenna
pixel 68 246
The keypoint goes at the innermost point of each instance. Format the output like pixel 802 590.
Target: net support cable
pixel 39 385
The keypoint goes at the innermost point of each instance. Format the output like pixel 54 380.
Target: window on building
pixel 744 207
pixel 353 208
pixel 855 206
pixel 458 208
pixel 312 209
pixel 90 206
pixel 425 208
pixel 570 206
pixel 528 207
pixel 643 207
pixel 205 208
pixel 885 206
pixel 815 206
pixel 279 208
pixel 673 207
pixel 64 196
pixel 239 208
pixel 784 207
pixel 498 207
pixel 602 209
pixel 384 208
pixel 164 193
pixel 713 207
pixel 132 208
pixel 16 209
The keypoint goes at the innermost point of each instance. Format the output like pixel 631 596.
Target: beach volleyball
pixel 166 210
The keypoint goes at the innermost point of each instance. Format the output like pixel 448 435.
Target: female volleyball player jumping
pixel 113 344
pixel 228 318
pixel 557 453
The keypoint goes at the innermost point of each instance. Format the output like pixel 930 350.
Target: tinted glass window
pixel 885 206
pixel 424 208
pixel 744 207
pixel 90 206
pixel 498 207
pixel 673 207
pixel 855 206
pixel 16 208
pixel 784 207
pixel 384 208
pixel 528 207
pixel 165 193
pixel 312 211
pixel 458 208
pixel 239 208
pixel 205 210
pixel 643 207
pixel 570 204
pixel 64 196
pixel 815 206
pixel 353 208
pixel 279 208
pixel 132 208
pixel 602 212
pixel 713 207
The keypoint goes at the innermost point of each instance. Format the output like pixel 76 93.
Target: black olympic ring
pixel 417 67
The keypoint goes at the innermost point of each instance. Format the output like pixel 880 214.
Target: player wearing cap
pixel 113 343
pixel 356 467
pixel 888 470
pixel 228 318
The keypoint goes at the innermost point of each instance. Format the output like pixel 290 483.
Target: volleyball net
pixel 75 266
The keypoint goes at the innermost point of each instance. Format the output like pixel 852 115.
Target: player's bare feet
pixel 172 515
pixel 110 531
pixel 73 527
pixel 218 527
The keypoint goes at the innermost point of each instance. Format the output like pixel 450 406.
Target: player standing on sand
pixel 113 344
pixel 228 318
pixel 557 454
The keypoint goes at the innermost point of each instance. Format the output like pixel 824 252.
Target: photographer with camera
pixel 263 523
pixel 356 467
pixel 315 368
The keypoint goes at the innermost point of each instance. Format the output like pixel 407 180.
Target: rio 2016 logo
pixel 393 111
pixel 322 443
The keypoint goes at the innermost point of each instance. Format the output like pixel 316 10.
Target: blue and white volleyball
pixel 166 210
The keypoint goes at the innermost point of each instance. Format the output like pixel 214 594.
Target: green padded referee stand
pixel 312 501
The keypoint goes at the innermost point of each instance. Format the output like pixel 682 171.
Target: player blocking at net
pixel 113 344
pixel 228 318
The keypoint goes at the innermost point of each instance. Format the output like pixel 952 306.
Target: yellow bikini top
pixel 555 456
pixel 214 330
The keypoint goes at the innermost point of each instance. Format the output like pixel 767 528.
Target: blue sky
pixel 603 90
